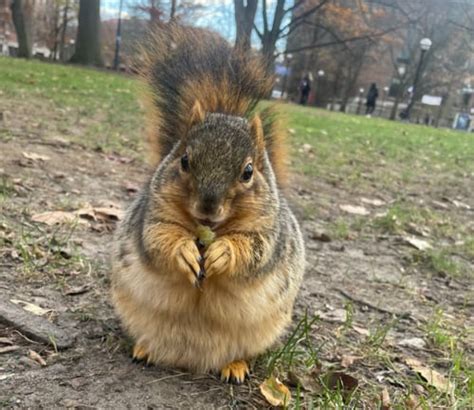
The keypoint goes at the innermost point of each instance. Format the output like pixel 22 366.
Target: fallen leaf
pixel 418 230
pixel 35 157
pixel 55 217
pixel 415 342
pixel 30 307
pixel 441 205
pixel 433 377
pixel 417 243
pixel 341 381
pixel 348 360
pixel 354 210
pixel 77 290
pixel 385 399
pixel 7 349
pixel 307 148
pixel 412 402
pixel 337 315
pixel 307 381
pixel 374 202
pixel 131 188
pixel 361 330
pixel 6 376
pixel 275 392
pixel 109 213
pixel 459 204
pixel 36 357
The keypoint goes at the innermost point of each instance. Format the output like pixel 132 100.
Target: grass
pixel 355 147
pixel 108 101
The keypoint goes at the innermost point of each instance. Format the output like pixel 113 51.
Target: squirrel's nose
pixel 209 204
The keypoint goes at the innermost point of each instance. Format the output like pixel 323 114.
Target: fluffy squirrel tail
pixel 182 65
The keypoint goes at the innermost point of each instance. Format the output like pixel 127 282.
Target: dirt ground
pixel 373 302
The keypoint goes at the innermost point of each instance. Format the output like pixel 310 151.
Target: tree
pixel 22 20
pixel 244 22
pixel 66 19
pixel 162 11
pixel 285 21
pixel 88 50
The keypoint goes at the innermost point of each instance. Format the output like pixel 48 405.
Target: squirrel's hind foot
pixel 235 372
pixel 140 354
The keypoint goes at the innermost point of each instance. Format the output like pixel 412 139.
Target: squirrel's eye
pixel 247 174
pixel 185 162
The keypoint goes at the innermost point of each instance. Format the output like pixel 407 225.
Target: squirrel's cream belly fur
pixel 200 329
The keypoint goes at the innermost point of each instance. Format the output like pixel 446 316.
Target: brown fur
pixel 208 309
pixel 210 92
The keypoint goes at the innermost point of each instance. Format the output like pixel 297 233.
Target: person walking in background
pixel 305 88
pixel 372 96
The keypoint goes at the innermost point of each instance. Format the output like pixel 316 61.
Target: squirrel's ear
pixel 197 114
pixel 256 129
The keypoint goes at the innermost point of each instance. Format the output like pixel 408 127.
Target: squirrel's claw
pixel 235 372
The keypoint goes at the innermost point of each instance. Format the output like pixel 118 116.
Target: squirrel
pixel 218 164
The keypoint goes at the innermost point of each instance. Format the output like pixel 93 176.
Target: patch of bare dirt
pixel 63 269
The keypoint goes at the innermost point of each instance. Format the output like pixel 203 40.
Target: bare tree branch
pixel 347 40
pixel 295 21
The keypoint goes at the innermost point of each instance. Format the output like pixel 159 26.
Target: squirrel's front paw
pixel 219 258
pixel 188 261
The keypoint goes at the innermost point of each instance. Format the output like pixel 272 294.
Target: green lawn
pixel 350 145
pixel 107 101
pixel 345 144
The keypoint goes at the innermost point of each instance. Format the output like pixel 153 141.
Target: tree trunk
pixel 62 43
pixel 88 34
pixel 21 15
pixel 393 113
pixel 173 10
pixel 244 20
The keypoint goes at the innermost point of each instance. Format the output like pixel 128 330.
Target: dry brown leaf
pixel 30 307
pixel 361 330
pixel 36 357
pixel 340 380
pixel 77 290
pixel 131 188
pixel 275 392
pixel 433 377
pixel 6 341
pixel 307 381
pixel 35 157
pixel 7 349
pixel 55 217
pixel 104 213
pixel 6 376
pixel 354 210
pixel 348 360
pixel 417 243
pixel 374 202
pixel 412 402
pixel 109 213
pixel 459 204
pixel 336 315
pixel 414 342
pixel 385 399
